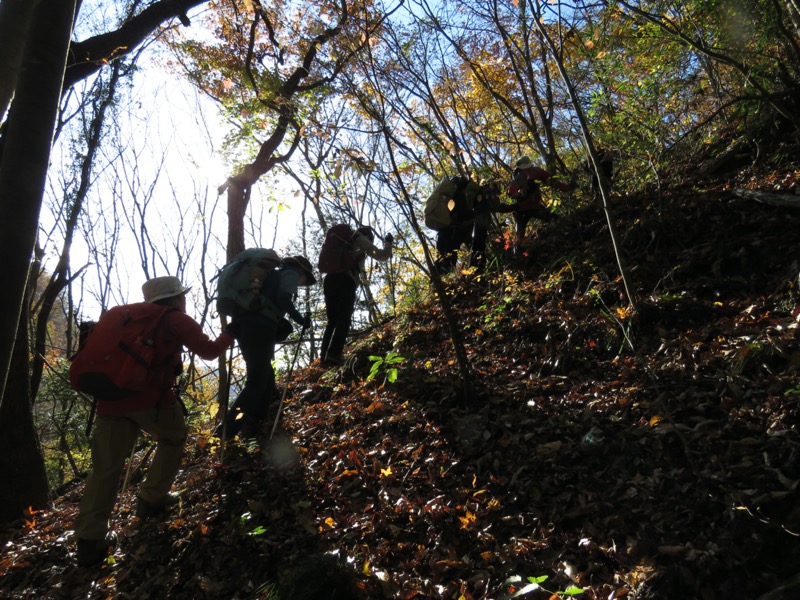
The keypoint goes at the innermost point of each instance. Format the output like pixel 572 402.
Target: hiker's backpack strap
pixel 336 254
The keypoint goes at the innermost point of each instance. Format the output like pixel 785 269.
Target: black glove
pixel 389 238
pixel 306 322
pixel 233 328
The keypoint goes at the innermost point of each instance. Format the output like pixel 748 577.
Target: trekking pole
pixel 130 464
pixel 472 243
pixel 224 401
pixel 90 420
pixel 288 377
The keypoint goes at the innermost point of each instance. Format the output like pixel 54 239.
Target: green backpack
pixel 240 288
pixel 437 207
pixel 443 207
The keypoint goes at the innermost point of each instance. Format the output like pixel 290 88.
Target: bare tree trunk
pixel 23 169
pixel 25 156
pixel 462 360
pixel 90 55
pixel 789 200
pixel 239 186
pixel 15 20
pixel 21 460
pixel 62 276
pixel 372 106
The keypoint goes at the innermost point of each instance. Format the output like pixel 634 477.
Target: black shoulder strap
pixel 168 361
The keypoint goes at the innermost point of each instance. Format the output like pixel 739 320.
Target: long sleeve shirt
pixel 285 292
pixel 179 331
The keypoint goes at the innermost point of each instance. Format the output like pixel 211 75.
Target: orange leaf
pixel 467 520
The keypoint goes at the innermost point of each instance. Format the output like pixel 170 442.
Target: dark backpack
pixel 118 357
pixel 336 255
pixel 241 285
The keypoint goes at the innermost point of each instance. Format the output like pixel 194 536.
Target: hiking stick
pixel 90 420
pixel 288 376
pixel 130 464
pixel 472 244
pixel 224 405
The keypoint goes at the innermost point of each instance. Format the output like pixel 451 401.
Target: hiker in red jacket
pixel 525 189
pixel 158 412
pixel 340 291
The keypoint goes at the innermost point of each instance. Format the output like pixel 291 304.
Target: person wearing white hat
pixel 156 411
pixel 526 190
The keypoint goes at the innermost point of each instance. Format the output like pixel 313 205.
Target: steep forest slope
pixel 658 458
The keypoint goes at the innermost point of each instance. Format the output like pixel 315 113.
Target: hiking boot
pixel 151 510
pixel 333 359
pixel 93 552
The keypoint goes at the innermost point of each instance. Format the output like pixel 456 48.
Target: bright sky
pixel 171 128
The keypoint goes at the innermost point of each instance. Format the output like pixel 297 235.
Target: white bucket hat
pixel 524 163
pixel 159 288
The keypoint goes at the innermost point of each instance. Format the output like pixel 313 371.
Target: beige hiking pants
pixel 112 441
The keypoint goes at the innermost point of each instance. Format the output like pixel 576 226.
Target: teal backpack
pixel 240 288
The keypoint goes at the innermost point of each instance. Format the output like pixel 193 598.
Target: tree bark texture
pixel 90 55
pixel 23 170
pixel 239 186
pixel 15 19
pixel 24 160
pixel 21 460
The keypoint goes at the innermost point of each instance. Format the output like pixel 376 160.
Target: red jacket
pixel 180 331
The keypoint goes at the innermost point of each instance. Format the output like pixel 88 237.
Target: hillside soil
pixel 653 455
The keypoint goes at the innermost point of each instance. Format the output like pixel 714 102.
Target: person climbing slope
pixel 525 189
pixel 256 334
pixel 342 259
pixel 153 408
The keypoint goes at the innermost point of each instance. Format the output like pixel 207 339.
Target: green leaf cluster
pixel 384 363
